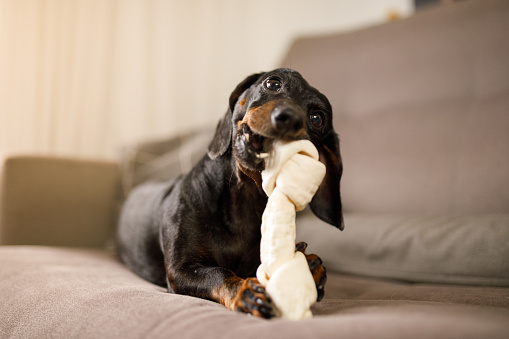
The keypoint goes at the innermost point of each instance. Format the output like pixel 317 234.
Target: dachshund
pixel 199 234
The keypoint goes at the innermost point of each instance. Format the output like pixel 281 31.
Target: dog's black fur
pixel 199 234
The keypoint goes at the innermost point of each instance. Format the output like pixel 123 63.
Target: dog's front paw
pixel 317 269
pixel 252 298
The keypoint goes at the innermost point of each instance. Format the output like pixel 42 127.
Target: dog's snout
pixel 287 121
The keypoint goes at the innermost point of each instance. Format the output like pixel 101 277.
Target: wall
pixel 84 77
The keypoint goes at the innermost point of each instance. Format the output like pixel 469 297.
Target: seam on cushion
pixel 416 276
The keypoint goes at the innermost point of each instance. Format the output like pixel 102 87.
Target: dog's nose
pixel 287 121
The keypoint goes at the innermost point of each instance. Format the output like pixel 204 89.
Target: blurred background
pixel 84 78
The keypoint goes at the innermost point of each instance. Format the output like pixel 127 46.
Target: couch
pixel 422 109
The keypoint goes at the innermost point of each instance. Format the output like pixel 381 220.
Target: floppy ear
pixel 326 203
pixel 223 136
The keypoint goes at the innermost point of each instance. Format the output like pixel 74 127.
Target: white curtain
pixel 85 77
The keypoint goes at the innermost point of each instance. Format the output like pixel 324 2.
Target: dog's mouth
pixel 252 148
pixel 257 142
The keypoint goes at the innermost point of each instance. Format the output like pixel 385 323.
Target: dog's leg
pixel 317 269
pixel 223 286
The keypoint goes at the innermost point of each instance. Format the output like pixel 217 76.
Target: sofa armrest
pixel 57 201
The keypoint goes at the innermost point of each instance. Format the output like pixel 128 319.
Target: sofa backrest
pixel 422 109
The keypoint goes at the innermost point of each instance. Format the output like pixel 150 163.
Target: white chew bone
pixel 291 177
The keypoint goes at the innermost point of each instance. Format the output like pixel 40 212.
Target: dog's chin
pixel 251 148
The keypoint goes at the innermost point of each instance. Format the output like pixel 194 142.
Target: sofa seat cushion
pixel 74 293
pixel 467 249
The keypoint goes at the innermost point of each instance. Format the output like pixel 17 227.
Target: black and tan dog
pixel 199 234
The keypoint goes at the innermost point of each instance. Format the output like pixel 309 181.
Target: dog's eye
pixel 316 119
pixel 273 84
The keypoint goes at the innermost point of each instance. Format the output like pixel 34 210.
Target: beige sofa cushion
pixel 467 250
pixel 72 293
pixel 164 159
pixel 438 159
pixel 57 201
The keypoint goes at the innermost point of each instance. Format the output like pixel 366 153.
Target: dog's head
pixel 281 105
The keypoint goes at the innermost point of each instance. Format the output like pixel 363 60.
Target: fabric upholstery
pixel 467 250
pixel 164 159
pixel 57 201
pixel 74 293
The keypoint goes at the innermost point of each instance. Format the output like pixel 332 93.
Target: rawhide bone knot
pixel 291 177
